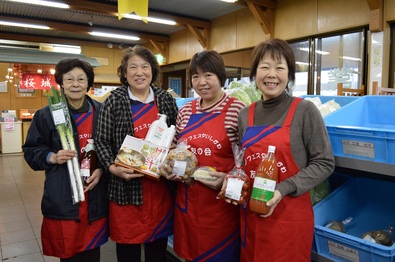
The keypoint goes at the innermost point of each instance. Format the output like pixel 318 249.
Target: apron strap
pixel 251 111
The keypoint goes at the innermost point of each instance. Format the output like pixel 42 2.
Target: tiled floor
pixel 20 215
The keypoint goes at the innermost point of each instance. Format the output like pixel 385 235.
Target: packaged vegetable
pixel 237 184
pixel 179 161
pixel 203 172
pixel 382 237
pixel 340 226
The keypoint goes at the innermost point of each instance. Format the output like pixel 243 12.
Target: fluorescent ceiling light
pixel 70 49
pixel 151 19
pixel 24 25
pixel 351 58
pixel 44 3
pixel 229 1
pixel 317 51
pixel 127 37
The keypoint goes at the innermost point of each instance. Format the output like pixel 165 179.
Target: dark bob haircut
pixel 66 65
pixel 142 52
pixel 208 61
pixel 275 48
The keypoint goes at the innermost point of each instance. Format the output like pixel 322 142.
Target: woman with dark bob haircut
pixel 207 229
pixel 303 152
pixel 141 210
pixel 72 232
pixel 68 64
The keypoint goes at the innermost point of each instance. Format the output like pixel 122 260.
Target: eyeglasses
pixel 70 80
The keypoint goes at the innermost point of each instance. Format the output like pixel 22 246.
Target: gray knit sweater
pixel 310 144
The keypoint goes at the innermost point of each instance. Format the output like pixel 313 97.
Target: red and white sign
pixel 37 81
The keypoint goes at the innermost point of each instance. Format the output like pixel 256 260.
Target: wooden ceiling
pixel 73 25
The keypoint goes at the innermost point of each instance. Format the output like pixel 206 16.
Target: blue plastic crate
pixel 367 202
pixel 364 129
pixel 181 101
pixel 341 100
pixel 335 180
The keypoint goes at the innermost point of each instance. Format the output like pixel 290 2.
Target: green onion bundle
pixel 61 117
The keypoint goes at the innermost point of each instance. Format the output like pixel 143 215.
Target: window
pixel 302 58
pixel 335 59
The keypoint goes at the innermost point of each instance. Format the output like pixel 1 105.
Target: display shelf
pixel 365 166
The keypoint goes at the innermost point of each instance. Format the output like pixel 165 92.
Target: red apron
pixel 287 234
pixel 205 228
pixel 65 238
pixel 132 224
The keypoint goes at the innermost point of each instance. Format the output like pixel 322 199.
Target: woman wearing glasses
pixel 72 232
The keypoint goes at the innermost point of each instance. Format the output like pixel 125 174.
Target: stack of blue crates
pixel 363 129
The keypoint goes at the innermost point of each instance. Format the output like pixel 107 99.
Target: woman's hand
pixel 178 178
pixel 272 203
pixel 214 184
pixel 93 180
pixel 123 172
pixel 62 156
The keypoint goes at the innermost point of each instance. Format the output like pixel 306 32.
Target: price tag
pixel 233 188
pixel 58 117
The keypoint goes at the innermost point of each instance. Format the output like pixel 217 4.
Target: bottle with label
pixel 157 130
pixel 167 139
pixel 264 183
pixel 88 162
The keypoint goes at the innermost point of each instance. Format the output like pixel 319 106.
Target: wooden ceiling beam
pixel 265 18
pixel 204 39
pixel 374 4
pixel 375 15
pixel 162 47
pixel 271 4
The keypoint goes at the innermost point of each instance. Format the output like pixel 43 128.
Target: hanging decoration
pixel 139 7
pixel 9 77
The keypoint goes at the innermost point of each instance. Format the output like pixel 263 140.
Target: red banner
pixel 37 81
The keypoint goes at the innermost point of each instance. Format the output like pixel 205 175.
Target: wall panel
pixel 248 31
pixel 335 15
pixel 192 45
pixel 178 47
pixel 224 33
pixel 294 19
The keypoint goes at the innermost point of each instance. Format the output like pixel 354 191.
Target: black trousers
pixel 153 252
pixel 92 255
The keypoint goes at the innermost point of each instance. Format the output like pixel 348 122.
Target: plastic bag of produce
pixel 319 192
pixel 179 161
pixel 237 184
pixel 382 237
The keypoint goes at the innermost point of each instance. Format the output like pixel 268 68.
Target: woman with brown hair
pixel 141 210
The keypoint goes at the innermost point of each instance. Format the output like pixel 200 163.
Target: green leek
pixel 60 114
